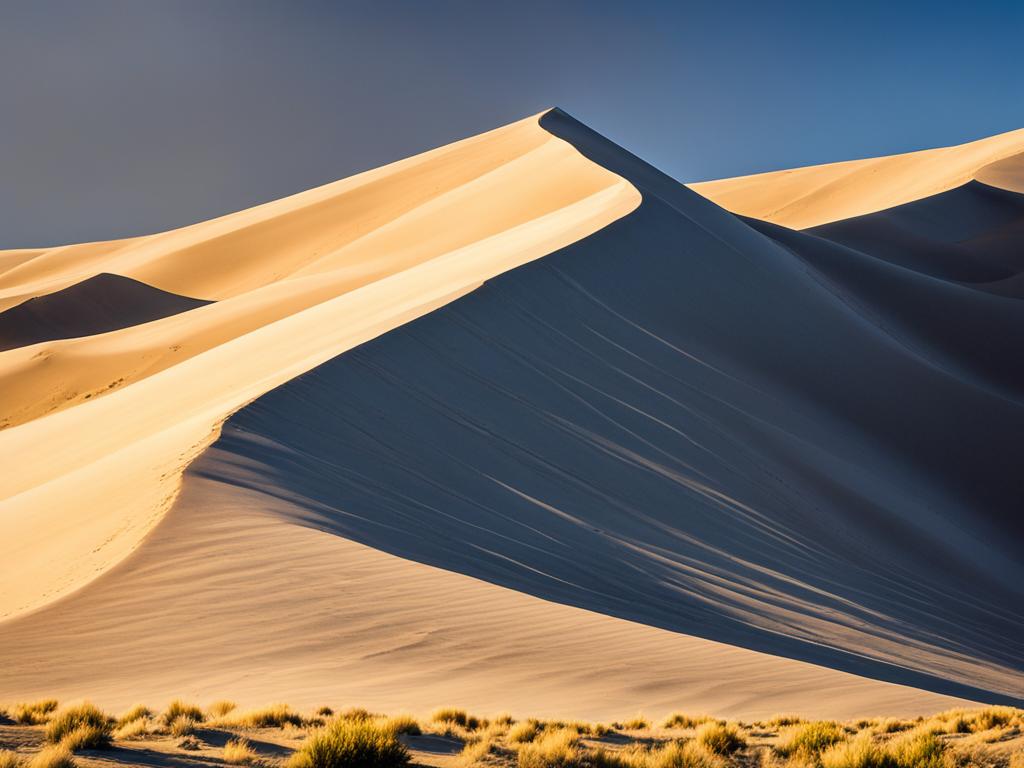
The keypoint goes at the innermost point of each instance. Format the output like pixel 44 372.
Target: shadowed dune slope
pixel 709 431
pixel 97 305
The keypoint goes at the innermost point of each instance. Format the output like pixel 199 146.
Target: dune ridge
pixel 806 197
pixel 685 460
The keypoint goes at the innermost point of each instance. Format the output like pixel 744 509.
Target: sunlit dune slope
pixel 686 460
pixel 104 424
pixel 806 197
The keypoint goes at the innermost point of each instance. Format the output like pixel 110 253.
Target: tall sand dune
pixel 684 460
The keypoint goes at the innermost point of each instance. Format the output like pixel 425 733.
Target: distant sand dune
pixel 818 194
pixel 685 460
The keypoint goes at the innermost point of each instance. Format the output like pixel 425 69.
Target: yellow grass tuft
pixel 455 716
pixel 80 727
pixel 552 749
pixel 676 754
pixel 53 756
pixel 720 738
pixel 636 723
pixel 349 743
pixel 403 724
pixel 179 708
pixel 523 732
pixel 134 729
pixel 183 725
pixel 680 720
pixel 808 739
pixel 34 713
pixel 275 716
pixel 138 712
pixel 9 759
pixel 239 752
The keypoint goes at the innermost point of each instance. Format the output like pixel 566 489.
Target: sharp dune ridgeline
pixel 522 423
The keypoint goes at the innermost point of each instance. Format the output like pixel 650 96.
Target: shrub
pixel 720 738
pixel 403 724
pixel 53 756
pixel 179 708
pixel 453 716
pixel 84 726
pixel 9 759
pixel 239 752
pixel 138 712
pixel 351 744
pixel 36 713
pixel 523 732
pixel 221 708
pixel 183 725
pixel 553 749
pixel 809 738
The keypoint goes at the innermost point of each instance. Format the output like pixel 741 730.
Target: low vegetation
pixel 987 737
pixel 351 743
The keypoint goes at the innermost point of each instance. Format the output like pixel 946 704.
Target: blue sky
pixel 121 117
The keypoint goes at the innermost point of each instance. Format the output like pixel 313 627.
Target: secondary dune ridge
pixel 682 423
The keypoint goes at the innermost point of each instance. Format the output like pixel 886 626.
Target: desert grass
pixel 455 716
pixel 552 749
pixel 720 738
pixel 403 724
pixel 677 754
pixel 183 725
pixel 524 732
pixel 239 752
pixel 80 727
pixel 635 723
pixel 53 756
pixel 33 713
pixel 9 759
pixel 807 740
pixel 274 716
pixel 678 720
pixel 348 743
pixel 134 729
pixel 138 712
pixel 180 709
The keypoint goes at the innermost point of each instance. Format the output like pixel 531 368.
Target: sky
pixel 124 117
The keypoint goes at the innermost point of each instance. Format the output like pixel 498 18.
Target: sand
pixel 684 461
pixel 806 197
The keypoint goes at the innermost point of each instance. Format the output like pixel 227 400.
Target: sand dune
pixel 684 460
pixel 806 197
pixel 97 305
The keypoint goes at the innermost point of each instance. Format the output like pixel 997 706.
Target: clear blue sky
pixel 120 117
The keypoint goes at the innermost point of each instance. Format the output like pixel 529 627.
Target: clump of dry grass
pixel 636 723
pixel 53 756
pixel 138 712
pixel 403 724
pixel 191 743
pixel 275 716
pixel 720 738
pixel 1016 759
pixel 239 752
pixel 183 725
pixel 351 744
pixel 178 708
pixel 455 716
pixel 676 754
pixel 34 713
pixel 552 749
pixel 221 708
pixel 781 721
pixel 324 711
pixel 808 739
pixel 9 759
pixel 680 720
pixel 134 729
pixel 918 750
pixel 477 752
pixel 523 732
pixel 80 727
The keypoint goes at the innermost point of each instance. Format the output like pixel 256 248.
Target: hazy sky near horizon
pixel 122 117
